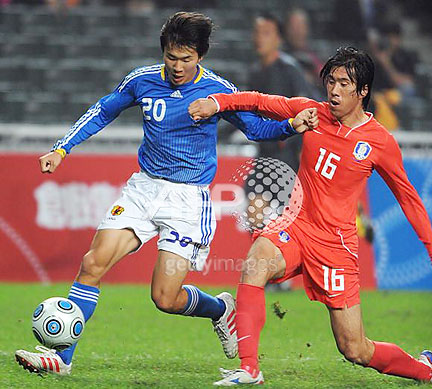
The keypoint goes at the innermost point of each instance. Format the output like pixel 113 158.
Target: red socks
pixel 250 319
pixel 391 359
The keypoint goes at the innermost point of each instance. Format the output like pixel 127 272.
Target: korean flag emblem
pixel 284 237
pixel 362 150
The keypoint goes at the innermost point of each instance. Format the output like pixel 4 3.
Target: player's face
pixel 266 37
pixel 342 94
pixel 180 64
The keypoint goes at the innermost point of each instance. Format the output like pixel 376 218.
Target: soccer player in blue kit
pixel 170 196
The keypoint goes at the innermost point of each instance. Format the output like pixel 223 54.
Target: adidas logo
pixel 176 94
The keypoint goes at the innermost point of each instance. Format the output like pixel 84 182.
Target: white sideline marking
pixel 25 249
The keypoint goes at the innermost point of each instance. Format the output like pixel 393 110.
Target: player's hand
pixel 202 109
pixel 306 120
pixel 49 162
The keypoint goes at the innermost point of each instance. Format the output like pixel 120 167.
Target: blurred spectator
pixel 420 11
pixel 297 31
pixel 394 74
pixel 397 62
pixel 276 73
pixel 354 19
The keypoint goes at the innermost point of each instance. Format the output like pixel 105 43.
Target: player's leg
pixel 127 225
pixel 387 358
pixel 187 223
pixel 264 262
pixel 171 296
pixel 108 247
pixel 347 326
pixel 166 287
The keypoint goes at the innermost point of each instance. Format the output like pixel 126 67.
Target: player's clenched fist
pixel 202 109
pixel 306 120
pixel 49 162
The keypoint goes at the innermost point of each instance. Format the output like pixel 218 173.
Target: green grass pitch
pixel 129 344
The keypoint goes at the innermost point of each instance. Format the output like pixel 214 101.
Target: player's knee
pixel 90 267
pixel 256 270
pixel 164 303
pixel 262 263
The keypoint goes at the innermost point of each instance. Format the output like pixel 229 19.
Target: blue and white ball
pixel 57 323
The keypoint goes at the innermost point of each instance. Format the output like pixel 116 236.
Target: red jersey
pixel 335 163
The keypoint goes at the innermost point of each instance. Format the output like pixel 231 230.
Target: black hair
pixel 272 18
pixel 358 65
pixel 187 29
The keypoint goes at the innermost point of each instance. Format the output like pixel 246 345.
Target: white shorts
pixel 181 214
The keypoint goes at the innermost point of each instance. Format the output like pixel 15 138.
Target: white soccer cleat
pixel 45 361
pixel 225 326
pixel 426 358
pixel 238 377
pixel 224 372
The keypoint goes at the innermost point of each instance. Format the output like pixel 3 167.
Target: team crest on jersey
pixel 117 210
pixel 284 237
pixel 362 150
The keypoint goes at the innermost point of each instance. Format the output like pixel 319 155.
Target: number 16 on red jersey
pixel 329 168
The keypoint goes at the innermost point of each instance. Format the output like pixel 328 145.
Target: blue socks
pixel 86 297
pixel 199 304
pixel 202 304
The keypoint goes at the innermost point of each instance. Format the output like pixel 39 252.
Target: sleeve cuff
pixel 217 103
pixel 289 128
pixel 60 151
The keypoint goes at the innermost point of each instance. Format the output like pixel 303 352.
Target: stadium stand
pixel 53 66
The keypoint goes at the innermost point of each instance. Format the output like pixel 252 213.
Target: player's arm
pixel 254 126
pixel 257 128
pixel 95 119
pixel 390 168
pixel 273 106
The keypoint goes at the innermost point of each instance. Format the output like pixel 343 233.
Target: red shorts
pixel 330 272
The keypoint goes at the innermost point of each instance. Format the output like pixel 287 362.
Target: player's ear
pixel 364 91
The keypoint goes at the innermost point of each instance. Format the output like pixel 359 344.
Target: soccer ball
pixel 57 323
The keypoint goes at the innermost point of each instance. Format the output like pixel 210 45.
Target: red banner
pixel 48 221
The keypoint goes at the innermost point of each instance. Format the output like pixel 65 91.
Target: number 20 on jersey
pixel 156 108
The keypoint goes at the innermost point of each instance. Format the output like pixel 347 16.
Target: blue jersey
pixel 174 147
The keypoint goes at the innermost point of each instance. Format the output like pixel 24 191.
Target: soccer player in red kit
pixel 343 147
